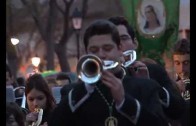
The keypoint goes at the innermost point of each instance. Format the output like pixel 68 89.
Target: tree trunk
pixel 50 55
pixel 62 57
pixel 50 35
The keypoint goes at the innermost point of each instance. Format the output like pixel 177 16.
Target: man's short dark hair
pixel 20 81
pixel 182 47
pixel 63 76
pixel 119 20
pixel 101 27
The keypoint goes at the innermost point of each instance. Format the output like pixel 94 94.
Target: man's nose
pixel 101 54
pixel 182 68
pixel 185 70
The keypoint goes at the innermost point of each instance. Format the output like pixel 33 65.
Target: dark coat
pixel 177 104
pixel 81 108
pixel 65 89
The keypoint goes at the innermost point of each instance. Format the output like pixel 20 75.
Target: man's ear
pixel 120 47
pixel 135 42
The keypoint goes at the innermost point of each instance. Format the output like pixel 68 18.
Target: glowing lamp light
pixel 35 61
pixel 14 41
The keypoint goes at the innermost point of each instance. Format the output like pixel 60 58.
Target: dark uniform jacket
pixel 84 107
pixel 177 105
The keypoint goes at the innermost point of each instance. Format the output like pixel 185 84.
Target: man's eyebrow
pixel 124 35
pixel 107 45
pixel 186 61
pixel 148 11
pixel 93 47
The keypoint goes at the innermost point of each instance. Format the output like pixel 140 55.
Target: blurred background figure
pixel 13 92
pixel 20 90
pixel 9 78
pixel 14 115
pixel 20 81
pixel 181 60
pixel 63 79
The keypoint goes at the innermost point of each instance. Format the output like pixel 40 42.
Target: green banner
pixel 155 23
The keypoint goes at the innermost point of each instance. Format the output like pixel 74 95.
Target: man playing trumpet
pixel 172 103
pixel 181 60
pixel 111 101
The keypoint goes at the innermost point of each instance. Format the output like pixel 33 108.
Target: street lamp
pixel 14 41
pixel 15 61
pixel 77 24
pixel 36 61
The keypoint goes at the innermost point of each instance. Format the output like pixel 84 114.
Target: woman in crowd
pixel 38 95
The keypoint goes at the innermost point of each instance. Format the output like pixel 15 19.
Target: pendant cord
pixel 106 101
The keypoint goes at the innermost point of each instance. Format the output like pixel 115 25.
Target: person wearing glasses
pixel 172 103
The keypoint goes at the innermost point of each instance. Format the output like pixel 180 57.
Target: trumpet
pixel 39 119
pixel 186 93
pixel 187 83
pixel 89 68
pixel 129 56
pixel 186 80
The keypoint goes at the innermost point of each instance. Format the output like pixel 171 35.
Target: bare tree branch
pixel 35 16
pixel 84 8
pixel 119 5
pixel 65 1
pixel 59 8
pixel 64 37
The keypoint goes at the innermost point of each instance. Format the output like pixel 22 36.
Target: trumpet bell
pixel 89 68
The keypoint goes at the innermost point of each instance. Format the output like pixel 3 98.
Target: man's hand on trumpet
pixel 115 85
pixel 139 69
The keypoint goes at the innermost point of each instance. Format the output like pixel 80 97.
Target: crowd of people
pixel 136 95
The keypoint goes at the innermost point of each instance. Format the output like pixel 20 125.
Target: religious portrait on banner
pixel 151 18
